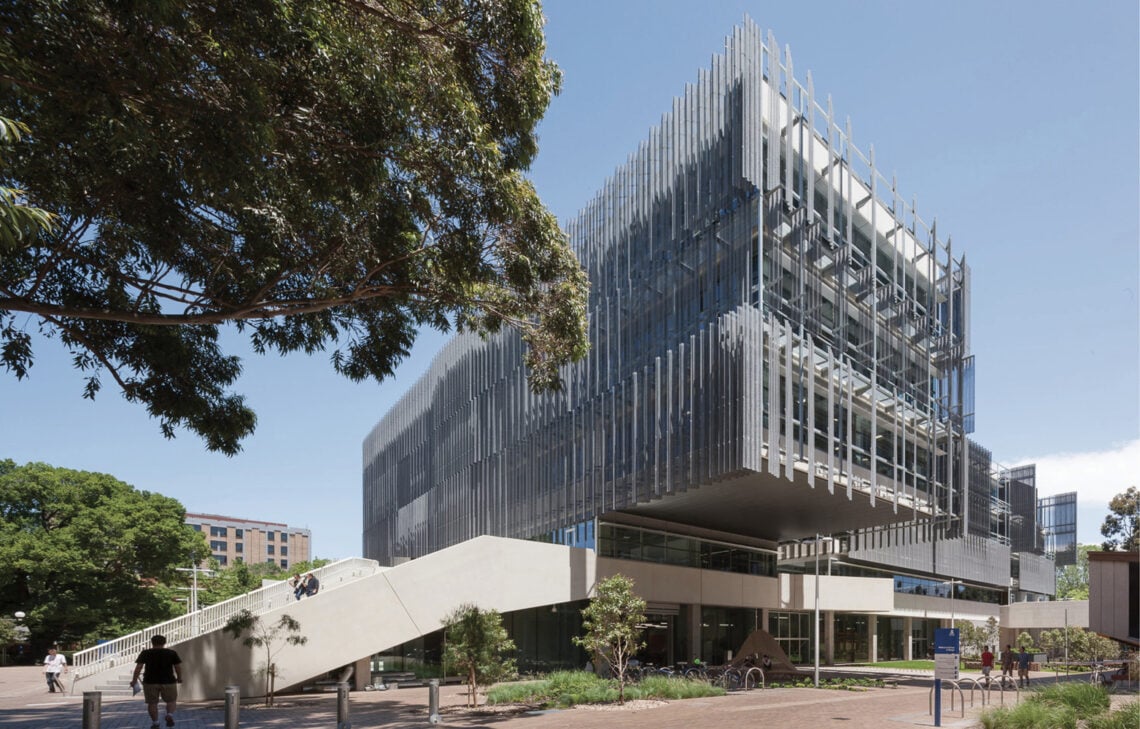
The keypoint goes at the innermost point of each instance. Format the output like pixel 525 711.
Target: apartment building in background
pixel 234 540
pixel 775 412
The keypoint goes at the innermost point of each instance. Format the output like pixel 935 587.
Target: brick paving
pixel 26 704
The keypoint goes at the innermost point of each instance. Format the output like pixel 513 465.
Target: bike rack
pixel 953 685
pixel 756 671
pixel 1000 684
pixel 976 684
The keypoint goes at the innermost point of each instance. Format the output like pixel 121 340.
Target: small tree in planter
pixel 273 637
pixel 991 632
pixel 476 643
pixel 1024 640
pixel 611 622
pixel 971 636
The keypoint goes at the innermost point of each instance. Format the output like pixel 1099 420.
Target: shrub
pixel 670 687
pixel 514 693
pixel 1085 699
pixel 1031 715
pixel 569 688
pixel 1126 717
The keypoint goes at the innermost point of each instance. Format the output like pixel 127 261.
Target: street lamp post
pixel 818 540
pixel 953 589
pixel 20 633
pixel 1066 640
pixel 192 604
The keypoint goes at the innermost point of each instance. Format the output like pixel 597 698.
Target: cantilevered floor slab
pixel 763 506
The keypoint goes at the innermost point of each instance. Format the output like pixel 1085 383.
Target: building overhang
pixel 773 508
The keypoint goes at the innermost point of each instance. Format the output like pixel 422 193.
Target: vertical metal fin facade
pixel 755 307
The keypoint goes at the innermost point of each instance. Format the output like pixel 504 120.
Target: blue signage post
pixel 946 662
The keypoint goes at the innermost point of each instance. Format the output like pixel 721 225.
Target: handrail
pixel 122 651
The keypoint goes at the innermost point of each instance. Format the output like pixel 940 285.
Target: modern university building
pixel 780 386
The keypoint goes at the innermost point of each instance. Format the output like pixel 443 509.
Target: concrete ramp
pixel 388 608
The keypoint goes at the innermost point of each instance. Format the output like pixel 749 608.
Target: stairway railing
pixel 124 650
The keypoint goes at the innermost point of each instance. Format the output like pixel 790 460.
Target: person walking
pixel 1007 663
pixel 987 663
pixel 54 665
pixel 160 680
pixel 1023 668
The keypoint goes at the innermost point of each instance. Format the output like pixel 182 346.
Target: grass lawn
pixel 917 665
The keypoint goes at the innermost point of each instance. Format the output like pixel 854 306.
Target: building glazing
pixel 1057 516
pixel 779 349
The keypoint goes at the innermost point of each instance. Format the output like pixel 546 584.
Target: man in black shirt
pixel 312 585
pixel 163 674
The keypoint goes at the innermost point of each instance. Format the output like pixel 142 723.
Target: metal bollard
pixel 433 701
pixel 92 709
pixel 233 706
pixel 342 721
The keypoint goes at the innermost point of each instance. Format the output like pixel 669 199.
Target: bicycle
pixel 731 679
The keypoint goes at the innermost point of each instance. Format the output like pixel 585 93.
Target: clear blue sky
pixel 1015 124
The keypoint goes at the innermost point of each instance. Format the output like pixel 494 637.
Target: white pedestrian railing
pixel 123 651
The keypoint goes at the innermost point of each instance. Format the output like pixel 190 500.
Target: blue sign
pixel 946 641
pixel 946 648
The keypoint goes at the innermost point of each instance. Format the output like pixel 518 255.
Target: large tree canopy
pixel 1121 528
pixel 1073 579
pixel 319 173
pixel 83 552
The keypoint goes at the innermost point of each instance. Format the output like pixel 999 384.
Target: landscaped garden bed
pixel 1070 705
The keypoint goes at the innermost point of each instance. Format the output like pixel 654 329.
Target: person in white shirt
pixel 54 665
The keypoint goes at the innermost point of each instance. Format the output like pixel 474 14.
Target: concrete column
pixel 694 634
pixel 908 647
pixel 829 633
pixel 764 618
pixel 362 673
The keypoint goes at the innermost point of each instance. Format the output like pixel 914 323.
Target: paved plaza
pixel 26 704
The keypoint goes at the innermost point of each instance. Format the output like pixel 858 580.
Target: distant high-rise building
pixel 235 540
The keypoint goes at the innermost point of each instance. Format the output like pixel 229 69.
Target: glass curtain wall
pixel 922 637
pixel 723 631
pixel 891 638
pixel 544 638
pixel 852 643
pixel 793 632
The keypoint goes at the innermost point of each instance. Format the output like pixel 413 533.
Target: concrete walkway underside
pixel 26 704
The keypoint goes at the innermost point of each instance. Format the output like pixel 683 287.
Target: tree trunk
pixel 269 684
pixel 621 664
